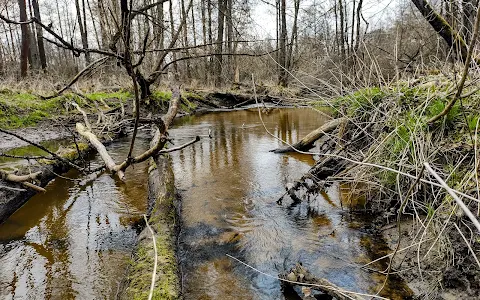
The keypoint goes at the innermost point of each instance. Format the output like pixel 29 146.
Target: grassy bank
pixel 23 109
pixel 389 138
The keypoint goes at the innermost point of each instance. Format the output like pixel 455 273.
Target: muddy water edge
pixel 75 241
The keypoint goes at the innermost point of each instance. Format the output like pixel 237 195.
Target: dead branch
pixel 306 143
pixel 197 138
pixel 23 179
pixel 77 77
pixel 160 139
pixel 460 203
pixel 301 275
pixel 85 117
pixel 26 157
pixel 95 142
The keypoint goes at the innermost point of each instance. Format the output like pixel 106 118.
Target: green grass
pixel 103 96
pixel 19 109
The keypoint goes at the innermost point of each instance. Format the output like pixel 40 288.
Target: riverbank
pixel 380 151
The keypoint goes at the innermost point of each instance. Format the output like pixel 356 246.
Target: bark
pixel 307 142
pixel 40 44
pixel 25 39
pixel 359 12
pixel 342 30
pixel 83 32
pixel 443 28
pixel 283 76
pixel 219 50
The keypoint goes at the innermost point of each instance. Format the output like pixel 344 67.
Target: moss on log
pixel 163 220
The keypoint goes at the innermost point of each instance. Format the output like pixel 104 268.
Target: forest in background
pixel 216 43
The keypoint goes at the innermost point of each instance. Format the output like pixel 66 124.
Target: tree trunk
pixel 41 46
pixel 357 38
pixel 218 57
pixel 229 22
pixel 441 26
pixel 94 24
pixel 210 37
pixel 342 30
pixel 83 32
pixel 25 39
pixel 294 35
pixel 185 40
pixel 103 24
pixel 468 15
pixel 172 29
pixel 205 39
pixel 283 76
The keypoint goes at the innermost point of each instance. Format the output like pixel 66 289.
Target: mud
pixel 45 131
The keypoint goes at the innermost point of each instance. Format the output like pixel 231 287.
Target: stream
pixel 75 241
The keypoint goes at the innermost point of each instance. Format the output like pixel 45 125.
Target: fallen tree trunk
pixel 163 212
pixel 299 275
pixel 163 225
pixel 307 142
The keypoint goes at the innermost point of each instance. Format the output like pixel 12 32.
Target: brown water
pixel 74 241
pixel 230 185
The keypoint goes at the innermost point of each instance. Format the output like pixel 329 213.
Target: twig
pixel 454 196
pixel 197 138
pixel 26 157
pixel 465 71
pixel 12 188
pixel 399 216
pixel 154 273
pixel 85 117
pixel 304 283
pixel 468 245
pixel 77 77
pixel 42 148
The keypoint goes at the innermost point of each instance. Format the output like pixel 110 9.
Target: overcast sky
pixel 377 12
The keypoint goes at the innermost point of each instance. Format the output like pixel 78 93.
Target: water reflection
pixel 230 185
pixel 73 242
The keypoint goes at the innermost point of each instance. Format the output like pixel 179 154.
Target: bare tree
pixel 40 44
pixel 25 38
